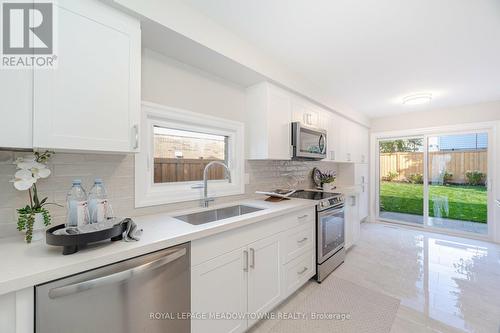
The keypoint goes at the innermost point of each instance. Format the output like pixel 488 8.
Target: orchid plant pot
pixel 327 180
pixel 33 218
pixel 328 187
pixel 38 227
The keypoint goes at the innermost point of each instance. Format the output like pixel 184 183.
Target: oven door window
pixel 331 233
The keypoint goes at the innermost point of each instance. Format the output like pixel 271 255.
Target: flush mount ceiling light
pixel 417 99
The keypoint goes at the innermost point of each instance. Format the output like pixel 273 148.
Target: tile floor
pixel 444 283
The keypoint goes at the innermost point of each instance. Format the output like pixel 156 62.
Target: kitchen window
pixel 176 147
pixel 181 156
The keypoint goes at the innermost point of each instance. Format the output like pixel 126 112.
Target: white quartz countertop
pixel 25 265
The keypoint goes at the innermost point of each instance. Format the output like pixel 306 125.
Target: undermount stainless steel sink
pixel 217 214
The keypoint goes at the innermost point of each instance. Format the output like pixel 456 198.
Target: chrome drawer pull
pixel 252 257
pixel 245 261
pixel 302 271
pixel 302 217
pixel 302 240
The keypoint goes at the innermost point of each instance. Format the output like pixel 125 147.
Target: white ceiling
pixel 371 53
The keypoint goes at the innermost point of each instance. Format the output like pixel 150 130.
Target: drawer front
pixel 305 216
pixel 298 272
pixel 213 246
pixel 298 241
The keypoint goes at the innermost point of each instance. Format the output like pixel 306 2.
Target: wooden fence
pixel 180 170
pixel 456 162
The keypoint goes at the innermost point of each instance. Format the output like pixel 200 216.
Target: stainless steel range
pixel 330 252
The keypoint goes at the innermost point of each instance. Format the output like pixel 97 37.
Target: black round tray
pixel 72 243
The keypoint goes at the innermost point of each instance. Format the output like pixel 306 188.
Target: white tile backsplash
pixel 117 171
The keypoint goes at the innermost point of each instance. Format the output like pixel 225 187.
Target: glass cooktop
pixel 313 195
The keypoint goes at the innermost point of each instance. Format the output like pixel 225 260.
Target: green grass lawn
pixel 468 203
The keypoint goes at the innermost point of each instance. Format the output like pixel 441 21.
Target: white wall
pixel 451 116
pixel 168 82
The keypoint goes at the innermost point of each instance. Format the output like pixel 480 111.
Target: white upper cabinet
pixel 358 138
pixel 305 113
pixel 270 112
pixel 91 101
pixel 347 141
pixel 268 123
pixel 16 108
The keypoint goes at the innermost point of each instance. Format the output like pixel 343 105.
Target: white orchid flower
pixel 29 172
pixel 23 180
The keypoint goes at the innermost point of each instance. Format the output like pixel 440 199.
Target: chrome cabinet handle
pixel 252 258
pixel 302 240
pixel 332 155
pixel 116 277
pixel 136 136
pixel 302 217
pixel 302 271
pixel 245 261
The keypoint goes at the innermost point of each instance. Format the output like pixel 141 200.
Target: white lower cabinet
pixel 219 286
pixel 297 272
pixel 264 276
pixel 17 311
pixel 275 258
pixel 352 220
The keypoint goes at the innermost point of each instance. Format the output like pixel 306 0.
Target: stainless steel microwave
pixel 307 142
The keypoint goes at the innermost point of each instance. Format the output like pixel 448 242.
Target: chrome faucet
pixel 206 199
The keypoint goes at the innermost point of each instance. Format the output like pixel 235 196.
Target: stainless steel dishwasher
pixel 149 293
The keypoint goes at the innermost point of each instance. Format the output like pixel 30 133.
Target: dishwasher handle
pixel 115 277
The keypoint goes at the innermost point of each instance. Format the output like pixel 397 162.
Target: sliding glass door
pixel 401 172
pixel 437 181
pixel 457 168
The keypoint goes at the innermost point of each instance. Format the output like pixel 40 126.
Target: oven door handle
pixel 115 277
pixel 331 212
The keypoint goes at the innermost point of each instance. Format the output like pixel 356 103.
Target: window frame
pixel 148 193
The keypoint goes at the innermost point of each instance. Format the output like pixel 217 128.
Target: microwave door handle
pixel 115 277
pixel 322 139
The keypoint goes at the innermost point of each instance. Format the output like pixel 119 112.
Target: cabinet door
pixel 17 311
pixel 344 143
pixel 361 172
pixel 358 143
pixel 220 286
pixel 16 109
pixel 364 145
pixel 91 100
pixel 333 137
pixel 305 113
pixel 279 123
pixel 264 275
pixel 352 223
